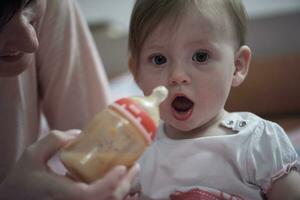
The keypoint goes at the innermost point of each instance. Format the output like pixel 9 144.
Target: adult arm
pixel 73 83
pixel 287 187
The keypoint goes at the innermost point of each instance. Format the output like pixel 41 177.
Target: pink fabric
pixel 66 79
pixel 197 194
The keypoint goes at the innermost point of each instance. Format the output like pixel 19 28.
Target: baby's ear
pixel 130 64
pixel 241 63
pixel 132 67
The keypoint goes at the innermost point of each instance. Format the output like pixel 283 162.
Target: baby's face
pixel 196 62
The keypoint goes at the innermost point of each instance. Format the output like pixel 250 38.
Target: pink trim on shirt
pixel 197 194
pixel 284 171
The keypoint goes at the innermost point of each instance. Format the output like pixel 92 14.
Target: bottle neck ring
pixel 137 116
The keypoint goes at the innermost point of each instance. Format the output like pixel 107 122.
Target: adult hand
pixel 32 179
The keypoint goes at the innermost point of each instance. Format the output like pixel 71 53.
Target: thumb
pixel 125 185
pixel 50 144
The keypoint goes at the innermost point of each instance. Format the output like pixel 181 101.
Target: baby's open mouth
pixel 182 107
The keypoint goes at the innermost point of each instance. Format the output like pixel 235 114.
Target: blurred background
pixel 272 88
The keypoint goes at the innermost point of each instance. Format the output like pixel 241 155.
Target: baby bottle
pixel 118 135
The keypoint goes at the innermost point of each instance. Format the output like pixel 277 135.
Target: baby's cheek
pixel 164 110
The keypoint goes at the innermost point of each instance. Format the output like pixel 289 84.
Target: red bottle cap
pixel 136 114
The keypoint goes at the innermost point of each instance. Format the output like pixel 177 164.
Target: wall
pixel 275 35
pixel 272 85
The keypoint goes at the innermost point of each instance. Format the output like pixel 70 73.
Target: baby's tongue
pixel 182 104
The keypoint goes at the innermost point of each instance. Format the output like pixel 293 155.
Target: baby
pixel 196 48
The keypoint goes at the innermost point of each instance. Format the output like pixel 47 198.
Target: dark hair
pixel 8 8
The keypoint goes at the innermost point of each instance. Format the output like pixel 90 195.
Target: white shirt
pixel 238 166
pixel 65 79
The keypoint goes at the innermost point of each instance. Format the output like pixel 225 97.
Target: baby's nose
pixel 179 76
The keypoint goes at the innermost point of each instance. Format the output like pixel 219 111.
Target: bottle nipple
pixel 159 94
pixel 150 104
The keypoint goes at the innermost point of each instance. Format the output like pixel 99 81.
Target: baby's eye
pixel 200 56
pixel 158 59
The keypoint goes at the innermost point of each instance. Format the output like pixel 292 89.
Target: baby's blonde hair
pixel 147 15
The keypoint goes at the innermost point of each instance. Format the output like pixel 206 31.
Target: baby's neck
pixel 211 128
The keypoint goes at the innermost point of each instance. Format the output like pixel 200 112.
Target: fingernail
pixel 137 166
pixel 121 190
pixel 73 132
pixel 120 170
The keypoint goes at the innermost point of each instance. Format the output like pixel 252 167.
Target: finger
pixel 49 145
pixel 124 186
pixel 71 177
pixel 132 197
pixel 132 173
pixel 135 196
pixel 108 183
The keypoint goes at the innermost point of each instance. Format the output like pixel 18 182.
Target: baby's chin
pixel 183 128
